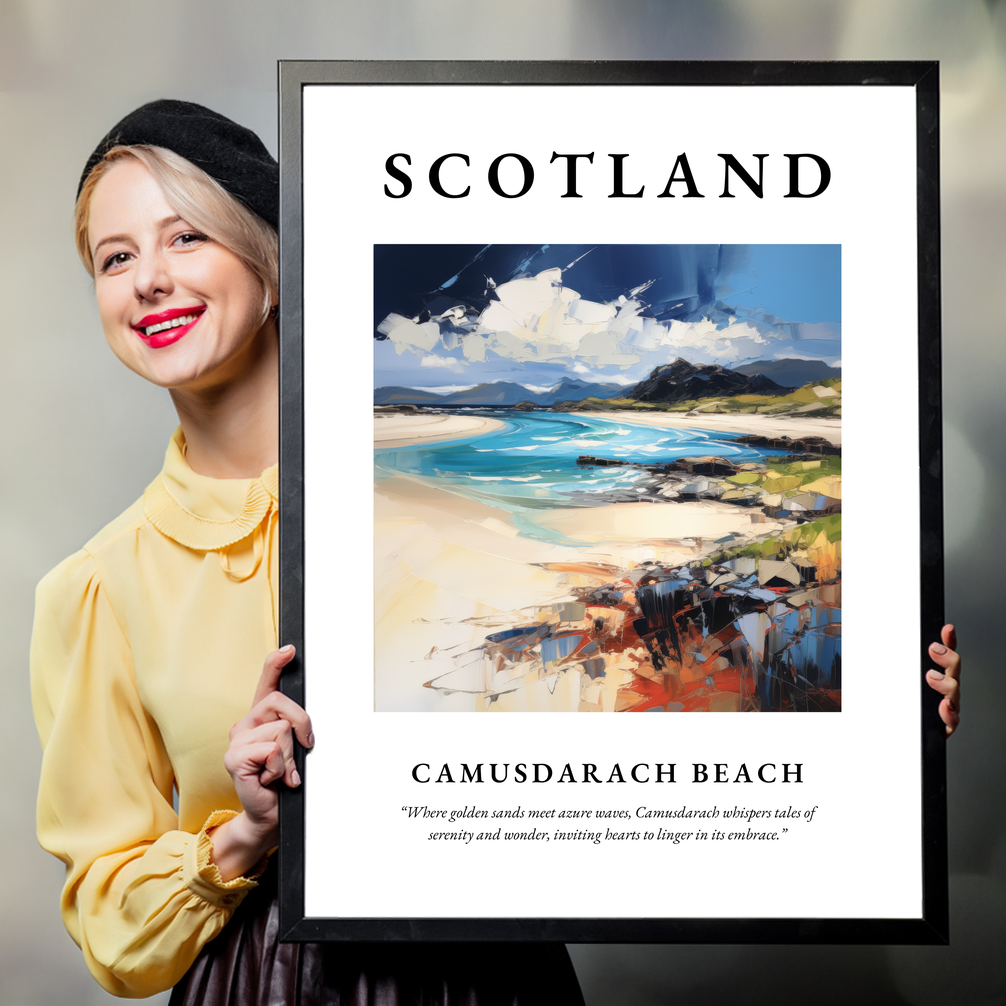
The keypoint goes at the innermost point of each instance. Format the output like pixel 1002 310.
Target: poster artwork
pixel 615 426
pixel 608 477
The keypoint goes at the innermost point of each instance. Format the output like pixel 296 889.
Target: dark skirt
pixel 246 965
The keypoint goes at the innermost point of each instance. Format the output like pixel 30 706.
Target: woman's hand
pixel 260 753
pixel 947 682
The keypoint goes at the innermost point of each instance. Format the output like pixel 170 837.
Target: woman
pixel 148 643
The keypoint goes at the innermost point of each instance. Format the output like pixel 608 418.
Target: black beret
pixel 230 154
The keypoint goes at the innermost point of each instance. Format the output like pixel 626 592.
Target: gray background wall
pixel 81 436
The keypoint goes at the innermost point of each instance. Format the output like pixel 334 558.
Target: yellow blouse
pixel 147 647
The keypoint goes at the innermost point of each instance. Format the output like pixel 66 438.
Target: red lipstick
pixel 166 327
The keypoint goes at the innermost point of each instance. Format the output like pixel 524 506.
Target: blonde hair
pixel 199 200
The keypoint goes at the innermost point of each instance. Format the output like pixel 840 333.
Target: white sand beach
pixel 396 429
pixel 449 569
pixel 696 523
pixel 793 426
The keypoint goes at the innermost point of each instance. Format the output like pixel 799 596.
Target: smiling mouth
pixel 167 321
pixel 185 319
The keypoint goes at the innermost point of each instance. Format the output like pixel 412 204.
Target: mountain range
pixel 791 373
pixel 500 394
pixel 673 382
pixel 682 381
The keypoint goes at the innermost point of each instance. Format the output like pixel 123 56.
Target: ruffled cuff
pixel 203 878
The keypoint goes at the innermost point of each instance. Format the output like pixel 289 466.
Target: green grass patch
pixel 788 477
pixel 803 400
pixel 778 546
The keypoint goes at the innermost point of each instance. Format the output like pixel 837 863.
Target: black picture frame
pixel 932 925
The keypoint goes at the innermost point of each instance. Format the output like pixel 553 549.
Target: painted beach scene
pixel 607 478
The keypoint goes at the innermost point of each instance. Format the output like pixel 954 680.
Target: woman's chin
pixel 172 374
pixel 197 365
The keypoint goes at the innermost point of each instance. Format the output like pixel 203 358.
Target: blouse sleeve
pixel 141 898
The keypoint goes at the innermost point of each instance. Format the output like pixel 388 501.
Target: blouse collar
pixel 204 513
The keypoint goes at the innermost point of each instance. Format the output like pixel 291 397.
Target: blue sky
pixel 449 316
pixel 795 282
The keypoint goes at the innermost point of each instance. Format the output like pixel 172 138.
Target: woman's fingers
pixel 950 716
pixel 260 761
pixel 278 736
pixel 946 656
pixel 947 680
pixel 271 670
pixel 949 709
pixel 947 686
pixel 949 636
pixel 277 706
pixel 270 703
pixel 261 749
pixel 274 766
pixel 949 660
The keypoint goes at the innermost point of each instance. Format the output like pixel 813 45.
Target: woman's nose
pixel 152 277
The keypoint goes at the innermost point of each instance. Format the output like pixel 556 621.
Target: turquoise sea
pixel 531 463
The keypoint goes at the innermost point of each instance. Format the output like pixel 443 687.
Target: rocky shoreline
pixel 753 627
pixel 799 486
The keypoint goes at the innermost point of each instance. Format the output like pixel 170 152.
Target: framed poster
pixel 637 339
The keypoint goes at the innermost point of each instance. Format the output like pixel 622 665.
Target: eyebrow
pixel 111 238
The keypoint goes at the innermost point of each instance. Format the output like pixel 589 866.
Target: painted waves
pixel 532 462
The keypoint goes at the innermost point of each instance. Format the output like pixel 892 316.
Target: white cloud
pixel 535 319
pixel 442 389
pixel 623 379
pixel 407 334
pixel 447 362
